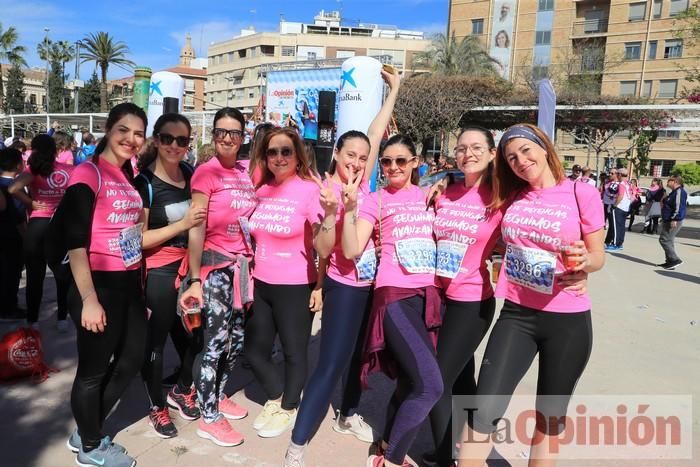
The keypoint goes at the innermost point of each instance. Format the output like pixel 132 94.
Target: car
pixel 694 198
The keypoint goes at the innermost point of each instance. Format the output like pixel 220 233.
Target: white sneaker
pixel 281 421
pixel 269 409
pixel 355 426
pixel 294 457
pixel 62 326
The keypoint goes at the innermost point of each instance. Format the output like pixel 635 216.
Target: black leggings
pixel 35 261
pixel 464 326
pixel 161 299
pixel 282 309
pixel 107 361
pixel 563 341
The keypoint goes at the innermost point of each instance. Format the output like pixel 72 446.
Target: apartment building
pixel 621 47
pixel 237 67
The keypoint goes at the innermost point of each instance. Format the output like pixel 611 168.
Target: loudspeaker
pixel 326 107
pixel 324 154
pixel 171 105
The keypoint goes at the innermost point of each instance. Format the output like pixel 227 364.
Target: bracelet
pixel 327 229
pixel 88 295
pixel 192 280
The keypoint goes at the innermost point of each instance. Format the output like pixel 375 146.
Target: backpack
pixel 21 355
pixel 55 249
pixel 147 175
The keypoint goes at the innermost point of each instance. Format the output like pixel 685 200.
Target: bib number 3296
pixel 416 255
pixel 530 267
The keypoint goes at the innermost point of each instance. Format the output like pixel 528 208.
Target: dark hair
pixel 89 139
pixel 10 159
pixel 258 135
pixel 118 112
pixel 495 38
pixel 341 141
pixel 63 141
pixel 408 142
pixel 676 178
pixel 19 145
pixel 229 112
pixel 488 178
pixel 303 168
pixel 151 152
pixel 43 155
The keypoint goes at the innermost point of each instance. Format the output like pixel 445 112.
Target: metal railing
pixel 589 26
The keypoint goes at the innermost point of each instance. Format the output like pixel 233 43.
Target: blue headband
pixel 520 131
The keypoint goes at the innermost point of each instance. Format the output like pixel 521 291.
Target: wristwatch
pixel 192 280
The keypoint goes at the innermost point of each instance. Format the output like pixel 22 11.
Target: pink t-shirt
pixel 118 208
pixel 231 197
pixel 49 190
pixel 462 217
pixel 405 225
pixel 533 227
pixel 340 268
pixel 282 229
pixel 65 157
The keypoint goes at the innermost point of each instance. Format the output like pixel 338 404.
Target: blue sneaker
pixel 610 248
pixel 74 443
pixel 619 248
pixel 105 455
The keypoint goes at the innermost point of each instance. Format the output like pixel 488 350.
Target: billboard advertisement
pixel 501 34
pixel 294 94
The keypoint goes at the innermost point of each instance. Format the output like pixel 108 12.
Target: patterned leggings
pixel 223 341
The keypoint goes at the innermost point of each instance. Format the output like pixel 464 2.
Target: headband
pixel 520 131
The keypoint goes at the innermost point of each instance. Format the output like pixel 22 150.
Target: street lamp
pixel 46 50
pixel 77 83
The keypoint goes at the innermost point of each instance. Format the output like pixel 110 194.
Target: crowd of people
pixel 228 255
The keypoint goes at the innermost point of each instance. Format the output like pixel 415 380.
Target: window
pixel 268 50
pixel 673 48
pixel 189 84
pixel 311 55
pixel 667 88
pixel 646 88
pixel 288 51
pixel 545 5
pixel 344 53
pixel 230 57
pixel 656 8
pixel 669 134
pixel 628 88
pixel 666 166
pixel 251 95
pixel 581 135
pixel 540 72
pixel 477 27
pixel 651 50
pixel 32 99
pixel 678 7
pixel 543 37
pixel 569 158
pixel 633 50
pixel 242 53
pixel 638 11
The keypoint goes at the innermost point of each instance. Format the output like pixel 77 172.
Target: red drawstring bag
pixel 21 355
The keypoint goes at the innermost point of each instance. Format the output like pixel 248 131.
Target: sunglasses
pixel 221 133
pixel 182 141
pixel 284 152
pixel 401 162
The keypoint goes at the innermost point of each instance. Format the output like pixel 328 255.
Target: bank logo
pixel 155 87
pixel 347 78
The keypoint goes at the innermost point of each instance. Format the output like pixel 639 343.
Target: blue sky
pixel 154 30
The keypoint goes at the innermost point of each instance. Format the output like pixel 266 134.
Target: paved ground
pixel 645 342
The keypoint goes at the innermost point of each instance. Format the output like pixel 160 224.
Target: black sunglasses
pixel 182 141
pixel 284 152
pixel 220 133
pixel 401 162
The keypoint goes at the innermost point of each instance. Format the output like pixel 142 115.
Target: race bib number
pixel 416 255
pixel 449 258
pixel 245 228
pixel 530 267
pixel 366 265
pixel 130 244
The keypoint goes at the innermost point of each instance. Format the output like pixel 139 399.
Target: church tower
pixel 187 52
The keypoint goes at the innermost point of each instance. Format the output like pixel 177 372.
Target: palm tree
pixel 10 51
pixel 102 49
pixel 63 52
pixel 450 57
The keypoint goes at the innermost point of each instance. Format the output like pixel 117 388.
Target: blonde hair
pixel 260 159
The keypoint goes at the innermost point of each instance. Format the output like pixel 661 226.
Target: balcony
pixel 589 28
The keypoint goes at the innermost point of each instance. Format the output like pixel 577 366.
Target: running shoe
pixel 74 443
pixel 671 265
pixel 378 461
pixel 160 420
pixel 354 425
pixel 185 403
pixel 269 409
pixel 104 455
pixel 281 421
pixel 231 410
pixel 662 265
pixel 294 458
pixel 219 431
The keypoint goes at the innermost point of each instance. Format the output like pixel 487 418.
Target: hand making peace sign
pixel 350 190
pixel 327 198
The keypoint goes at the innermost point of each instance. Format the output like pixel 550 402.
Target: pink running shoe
pixel 231 410
pixel 220 432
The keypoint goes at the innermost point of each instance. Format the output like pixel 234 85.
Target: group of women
pixel 253 249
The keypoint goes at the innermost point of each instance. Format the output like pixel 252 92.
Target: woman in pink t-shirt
pixel 283 227
pixel 64 145
pixel 47 180
pixel 217 271
pixel 101 217
pixel 553 230
pixel 406 309
pixel 466 230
